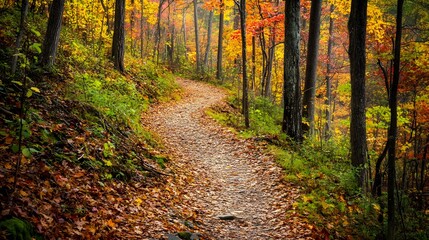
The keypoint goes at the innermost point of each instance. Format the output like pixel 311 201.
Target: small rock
pixel 173 237
pixel 227 217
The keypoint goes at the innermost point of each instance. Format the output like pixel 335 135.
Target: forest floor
pixel 221 175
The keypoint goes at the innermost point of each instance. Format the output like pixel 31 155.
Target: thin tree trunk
pixel 184 33
pixel 197 42
pixel 21 33
pixel 52 36
pixel 132 24
pixel 292 117
pixel 357 35
pixel 245 100
pixel 209 40
pixel 158 33
pixel 328 101
pixel 253 63
pixel 118 44
pixel 141 29
pixel 311 68
pixel 220 44
pixel 393 128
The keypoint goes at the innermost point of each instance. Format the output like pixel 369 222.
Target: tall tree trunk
pixel 220 43
pixel 184 33
pixel 253 63
pixel 21 33
pixel 52 36
pixel 328 101
pixel 141 29
pixel 197 42
pixel 209 40
pixel 132 24
pixel 118 44
pixel 245 100
pixel 393 128
pixel 271 52
pixel 357 37
pixel 269 66
pixel 158 32
pixel 292 117
pixel 311 68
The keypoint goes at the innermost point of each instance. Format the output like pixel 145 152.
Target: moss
pixel 17 229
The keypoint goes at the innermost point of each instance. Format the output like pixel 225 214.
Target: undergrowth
pixel 330 198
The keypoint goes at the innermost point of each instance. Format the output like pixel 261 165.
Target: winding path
pixel 232 177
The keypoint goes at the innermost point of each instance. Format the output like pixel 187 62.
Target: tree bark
pixel 118 44
pixel 253 63
pixel 132 26
pixel 158 32
pixel 21 33
pixel 311 68
pixel 328 102
pixel 52 36
pixel 184 32
pixel 220 44
pixel 197 41
pixel 393 128
pixel 292 117
pixel 209 40
pixel 357 36
pixel 245 100
pixel 141 29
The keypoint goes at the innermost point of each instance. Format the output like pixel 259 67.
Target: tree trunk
pixel 393 128
pixel 209 40
pixel 328 102
pixel 292 117
pixel 357 36
pixel 52 36
pixel 245 100
pixel 220 44
pixel 197 42
pixel 21 33
pixel 118 44
pixel 311 68
pixel 158 32
pixel 253 63
pixel 141 29
pixel 132 24
pixel 184 32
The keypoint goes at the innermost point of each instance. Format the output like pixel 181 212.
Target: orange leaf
pixel 79 174
pixel 8 166
pixel 111 224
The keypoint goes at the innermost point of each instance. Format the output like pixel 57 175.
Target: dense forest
pixel 337 92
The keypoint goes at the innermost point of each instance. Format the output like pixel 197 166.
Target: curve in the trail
pixel 233 177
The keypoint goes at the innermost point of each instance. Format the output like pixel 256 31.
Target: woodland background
pixel 78 75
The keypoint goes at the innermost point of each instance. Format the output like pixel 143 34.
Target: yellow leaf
pixel 108 163
pixel 23 193
pixel 376 207
pixel 138 201
pixel 35 89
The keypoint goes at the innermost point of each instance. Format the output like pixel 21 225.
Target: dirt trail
pixel 231 176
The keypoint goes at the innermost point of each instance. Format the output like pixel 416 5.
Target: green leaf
pixel 29 93
pixel 35 47
pixel 26 152
pixel 18 83
pixel 37 33
pixel 14 148
pixel 108 163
